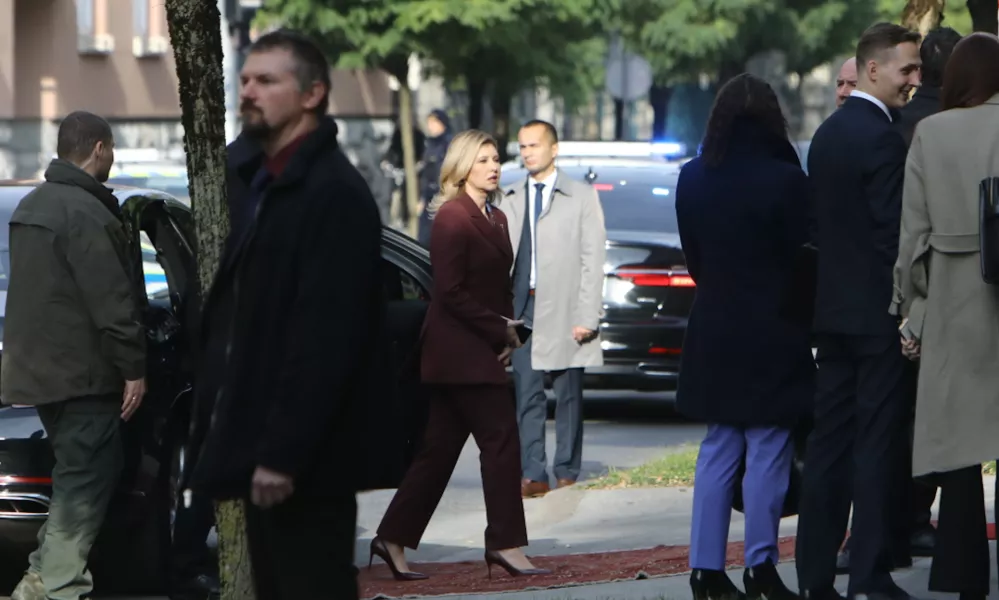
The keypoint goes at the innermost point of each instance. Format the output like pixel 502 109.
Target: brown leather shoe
pixel 566 483
pixel 534 489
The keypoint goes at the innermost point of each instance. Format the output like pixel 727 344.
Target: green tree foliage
pixel 683 39
pixel 495 47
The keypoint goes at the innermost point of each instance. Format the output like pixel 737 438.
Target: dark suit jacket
pixel 856 163
pixel 465 329
pixel 741 224
pixel 925 102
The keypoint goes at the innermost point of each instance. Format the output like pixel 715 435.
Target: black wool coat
pixel 744 362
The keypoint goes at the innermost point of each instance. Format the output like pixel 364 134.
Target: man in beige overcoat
pixel 556 227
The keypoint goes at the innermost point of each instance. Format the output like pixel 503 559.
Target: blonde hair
pixel 458 163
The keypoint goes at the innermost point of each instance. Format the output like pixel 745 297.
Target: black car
pixel 647 289
pixel 132 551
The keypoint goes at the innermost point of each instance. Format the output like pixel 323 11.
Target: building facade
pixel 113 58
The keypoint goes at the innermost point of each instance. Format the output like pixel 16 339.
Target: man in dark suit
pixel 915 535
pixel 856 162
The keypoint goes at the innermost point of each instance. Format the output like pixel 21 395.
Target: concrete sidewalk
pixel 574 520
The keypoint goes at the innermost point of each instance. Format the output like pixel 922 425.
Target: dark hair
pixel 310 62
pixel 79 132
pixel 552 133
pixel 743 97
pixel 934 52
pixel 881 37
pixel 972 73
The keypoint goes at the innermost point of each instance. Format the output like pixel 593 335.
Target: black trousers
pixel 855 452
pixel 961 555
pixel 304 548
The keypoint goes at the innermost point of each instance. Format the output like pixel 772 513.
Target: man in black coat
pixel 856 163
pixel 290 330
pixel 934 52
pixel 916 536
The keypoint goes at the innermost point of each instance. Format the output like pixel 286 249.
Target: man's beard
pixel 255 126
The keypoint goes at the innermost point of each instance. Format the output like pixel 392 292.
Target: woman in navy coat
pixel 747 368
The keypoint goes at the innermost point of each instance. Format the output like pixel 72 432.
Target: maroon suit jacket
pixel 465 329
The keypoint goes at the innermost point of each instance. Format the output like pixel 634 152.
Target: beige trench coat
pixel 571 241
pixel 939 287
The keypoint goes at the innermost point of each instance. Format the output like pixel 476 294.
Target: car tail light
pixel 11 479
pixel 664 351
pixel 655 277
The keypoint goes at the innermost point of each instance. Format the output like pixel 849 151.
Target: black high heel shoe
pixel 379 549
pixel 707 584
pixel 495 558
pixel 762 581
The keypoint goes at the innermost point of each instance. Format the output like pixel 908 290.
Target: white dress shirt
pixel 546 198
pixel 870 98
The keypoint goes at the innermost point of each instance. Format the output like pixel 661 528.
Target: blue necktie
pixel 538 199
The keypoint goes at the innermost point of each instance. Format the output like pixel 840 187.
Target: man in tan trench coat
pixel 556 227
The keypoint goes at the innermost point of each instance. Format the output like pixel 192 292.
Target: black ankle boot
pixel 763 582
pixel 713 585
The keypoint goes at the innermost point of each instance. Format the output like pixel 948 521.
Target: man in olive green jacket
pixel 74 347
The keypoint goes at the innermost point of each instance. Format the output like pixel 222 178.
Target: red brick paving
pixel 568 570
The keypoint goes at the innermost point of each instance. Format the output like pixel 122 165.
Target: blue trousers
pixel 768 452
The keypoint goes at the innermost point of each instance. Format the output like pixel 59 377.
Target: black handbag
pixel 988 224
pixel 799 438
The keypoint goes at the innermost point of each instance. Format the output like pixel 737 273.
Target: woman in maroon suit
pixel 467 340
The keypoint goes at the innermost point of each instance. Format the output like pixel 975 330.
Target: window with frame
pixel 149 29
pixel 92 27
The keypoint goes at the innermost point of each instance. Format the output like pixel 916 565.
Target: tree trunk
pixel 619 124
pixel 501 103
pixel 659 97
pixel 408 154
pixel 195 33
pixel 924 15
pixel 984 15
pixel 476 95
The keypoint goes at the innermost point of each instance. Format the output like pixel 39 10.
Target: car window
pixel 175 186
pixel 400 285
pixel 152 269
pixel 5 215
pixel 634 198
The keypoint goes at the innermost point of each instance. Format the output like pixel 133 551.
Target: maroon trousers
pixel 487 412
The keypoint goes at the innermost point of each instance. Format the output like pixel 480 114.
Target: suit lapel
pixel 513 208
pixel 493 233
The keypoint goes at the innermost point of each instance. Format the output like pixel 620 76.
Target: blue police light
pixel 668 148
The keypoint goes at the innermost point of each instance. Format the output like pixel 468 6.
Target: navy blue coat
pixel 741 223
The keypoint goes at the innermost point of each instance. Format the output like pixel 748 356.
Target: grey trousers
pixel 88 461
pixel 532 412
